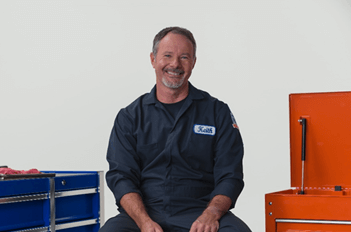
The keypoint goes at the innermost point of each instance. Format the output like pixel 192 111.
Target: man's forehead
pixel 172 40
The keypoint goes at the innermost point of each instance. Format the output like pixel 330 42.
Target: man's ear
pixel 152 58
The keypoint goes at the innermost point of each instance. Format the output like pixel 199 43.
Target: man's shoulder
pixel 137 103
pixel 207 97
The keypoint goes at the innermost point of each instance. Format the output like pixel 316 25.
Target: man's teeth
pixel 173 73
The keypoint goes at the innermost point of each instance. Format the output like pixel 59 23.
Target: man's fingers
pixel 194 226
pixel 199 226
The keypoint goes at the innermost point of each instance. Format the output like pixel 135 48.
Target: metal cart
pixel 52 201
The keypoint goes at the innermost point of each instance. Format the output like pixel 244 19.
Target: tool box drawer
pixel 69 181
pixel 313 226
pixel 23 212
pixel 76 205
pixel 23 186
pixel 315 209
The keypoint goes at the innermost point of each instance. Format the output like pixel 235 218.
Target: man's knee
pixel 230 223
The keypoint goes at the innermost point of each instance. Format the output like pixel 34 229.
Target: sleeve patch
pixel 235 125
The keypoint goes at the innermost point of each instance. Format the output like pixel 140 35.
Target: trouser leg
pixel 179 223
pixel 124 223
pixel 228 223
pixel 120 223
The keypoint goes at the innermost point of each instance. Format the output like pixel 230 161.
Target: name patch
pixel 204 130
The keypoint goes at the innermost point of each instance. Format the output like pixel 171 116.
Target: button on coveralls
pixel 177 165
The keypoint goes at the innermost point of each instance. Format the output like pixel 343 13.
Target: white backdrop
pixel 67 67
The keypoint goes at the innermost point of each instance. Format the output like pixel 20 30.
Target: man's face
pixel 174 61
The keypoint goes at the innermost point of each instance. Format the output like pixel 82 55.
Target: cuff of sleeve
pixel 229 190
pixel 122 189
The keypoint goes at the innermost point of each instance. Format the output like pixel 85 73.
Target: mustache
pixel 176 70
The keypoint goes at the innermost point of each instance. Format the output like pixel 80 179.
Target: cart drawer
pixel 76 205
pixel 23 186
pixel 76 181
pixel 23 212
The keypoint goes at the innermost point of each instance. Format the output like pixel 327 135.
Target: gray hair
pixel 175 30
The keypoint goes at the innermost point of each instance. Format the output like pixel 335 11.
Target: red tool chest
pixel 320 159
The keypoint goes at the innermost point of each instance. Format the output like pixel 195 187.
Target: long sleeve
pixel 228 170
pixel 124 171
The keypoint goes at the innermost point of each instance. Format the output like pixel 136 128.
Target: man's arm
pixel 134 206
pixel 123 177
pixel 209 219
pixel 227 171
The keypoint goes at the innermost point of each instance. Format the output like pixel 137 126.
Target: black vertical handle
pixel 303 152
pixel 303 147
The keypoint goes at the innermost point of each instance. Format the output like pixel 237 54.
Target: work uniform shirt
pixel 175 164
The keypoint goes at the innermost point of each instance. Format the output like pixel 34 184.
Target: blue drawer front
pixel 74 208
pixel 22 215
pixel 76 182
pixel 23 186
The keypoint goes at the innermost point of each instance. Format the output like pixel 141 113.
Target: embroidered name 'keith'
pixel 204 129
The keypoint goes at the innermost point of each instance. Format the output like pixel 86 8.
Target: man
pixel 175 154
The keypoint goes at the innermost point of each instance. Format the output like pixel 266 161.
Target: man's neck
pixel 169 96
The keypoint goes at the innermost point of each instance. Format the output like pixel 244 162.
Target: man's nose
pixel 175 63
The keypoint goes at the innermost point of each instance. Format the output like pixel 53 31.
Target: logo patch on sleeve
pixel 235 125
pixel 204 130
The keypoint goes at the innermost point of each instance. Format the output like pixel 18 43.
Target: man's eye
pixel 185 57
pixel 167 56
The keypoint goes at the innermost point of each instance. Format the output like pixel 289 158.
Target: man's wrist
pixel 215 212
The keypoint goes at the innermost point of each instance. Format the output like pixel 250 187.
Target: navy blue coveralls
pixel 178 164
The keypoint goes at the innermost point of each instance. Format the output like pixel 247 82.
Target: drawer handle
pixel 63 182
pixel 76 192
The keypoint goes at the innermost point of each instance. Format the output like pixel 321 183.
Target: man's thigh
pixel 179 223
pixel 228 223
pixel 124 223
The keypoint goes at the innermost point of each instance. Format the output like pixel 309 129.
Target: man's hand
pixel 207 222
pixel 134 206
pixel 150 226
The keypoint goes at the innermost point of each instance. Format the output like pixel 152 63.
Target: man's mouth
pixel 174 72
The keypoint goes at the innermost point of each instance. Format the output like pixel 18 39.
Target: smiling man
pixel 173 60
pixel 175 154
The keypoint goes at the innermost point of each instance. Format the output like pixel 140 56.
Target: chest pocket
pixel 201 151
